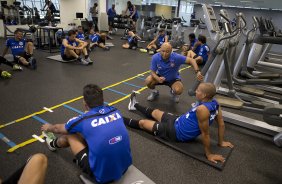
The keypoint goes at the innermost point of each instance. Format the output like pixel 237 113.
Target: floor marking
pixel 38 138
pixel 47 109
pixel 73 109
pixel 39 119
pixel 23 144
pixel 118 92
pixel 6 140
pixel 132 85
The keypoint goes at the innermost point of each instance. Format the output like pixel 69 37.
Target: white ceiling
pixel 268 4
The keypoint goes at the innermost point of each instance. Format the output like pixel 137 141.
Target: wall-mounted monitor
pixel 79 15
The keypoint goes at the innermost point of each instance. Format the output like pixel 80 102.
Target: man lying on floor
pixel 188 126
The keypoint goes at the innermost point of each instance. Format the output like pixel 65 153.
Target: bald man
pixel 164 71
pixel 188 126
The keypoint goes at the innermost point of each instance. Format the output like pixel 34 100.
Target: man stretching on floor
pixel 164 71
pixel 188 126
pixel 72 47
pixel 98 138
pixel 21 54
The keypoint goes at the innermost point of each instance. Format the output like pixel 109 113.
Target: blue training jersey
pixel 94 38
pixel 80 36
pixel 72 43
pixel 107 139
pixel 204 51
pixel 168 69
pixel 17 47
pixel 131 10
pixel 161 40
pixel 111 13
pixel 187 127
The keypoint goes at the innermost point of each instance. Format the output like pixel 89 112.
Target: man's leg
pixel 199 60
pixel 35 170
pixel 151 83
pixel 70 53
pixel 29 48
pixel 176 90
pixel 125 46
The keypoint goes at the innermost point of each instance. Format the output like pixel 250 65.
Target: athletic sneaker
pixel 174 96
pixel 151 52
pixel 32 62
pixel 49 137
pixel 6 75
pixel 132 102
pixel 83 61
pixel 107 48
pixel 153 95
pixel 89 60
pixel 143 50
pixel 17 67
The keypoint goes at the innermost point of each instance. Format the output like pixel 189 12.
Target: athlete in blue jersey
pixel 164 71
pixel 201 54
pixel 187 126
pixel 98 39
pixel 133 14
pixel 155 45
pixel 72 48
pixel 80 33
pixel 111 15
pixel 194 45
pixel 21 50
pixel 132 41
pixel 98 138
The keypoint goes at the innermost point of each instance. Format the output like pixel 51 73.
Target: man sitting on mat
pixel 132 41
pixel 22 50
pixel 201 55
pixel 188 126
pixel 194 45
pixel 98 39
pixel 164 71
pixel 98 138
pixel 155 45
pixel 72 48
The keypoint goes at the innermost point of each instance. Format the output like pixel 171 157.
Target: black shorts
pixel 23 54
pixel 110 21
pixel 66 58
pixel 133 44
pixel 169 83
pixel 82 160
pixel 165 129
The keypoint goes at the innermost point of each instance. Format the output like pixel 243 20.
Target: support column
pixel 102 15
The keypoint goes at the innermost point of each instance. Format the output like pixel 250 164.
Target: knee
pixel 155 113
pixel 178 89
pixel 150 82
pixel 40 159
pixel 29 44
pixel 142 123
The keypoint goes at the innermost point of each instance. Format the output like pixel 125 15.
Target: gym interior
pixel 244 64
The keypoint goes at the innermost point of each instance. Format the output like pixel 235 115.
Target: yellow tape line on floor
pixel 112 103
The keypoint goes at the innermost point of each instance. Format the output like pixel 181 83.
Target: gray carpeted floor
pixel 255 159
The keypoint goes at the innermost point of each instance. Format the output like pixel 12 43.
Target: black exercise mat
pixel 195 149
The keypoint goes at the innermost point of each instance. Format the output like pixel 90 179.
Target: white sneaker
pixel 132 102
pixel 84 62
pixel 174 96
pixel 49 137
pixel 153 95
pixel 89 60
